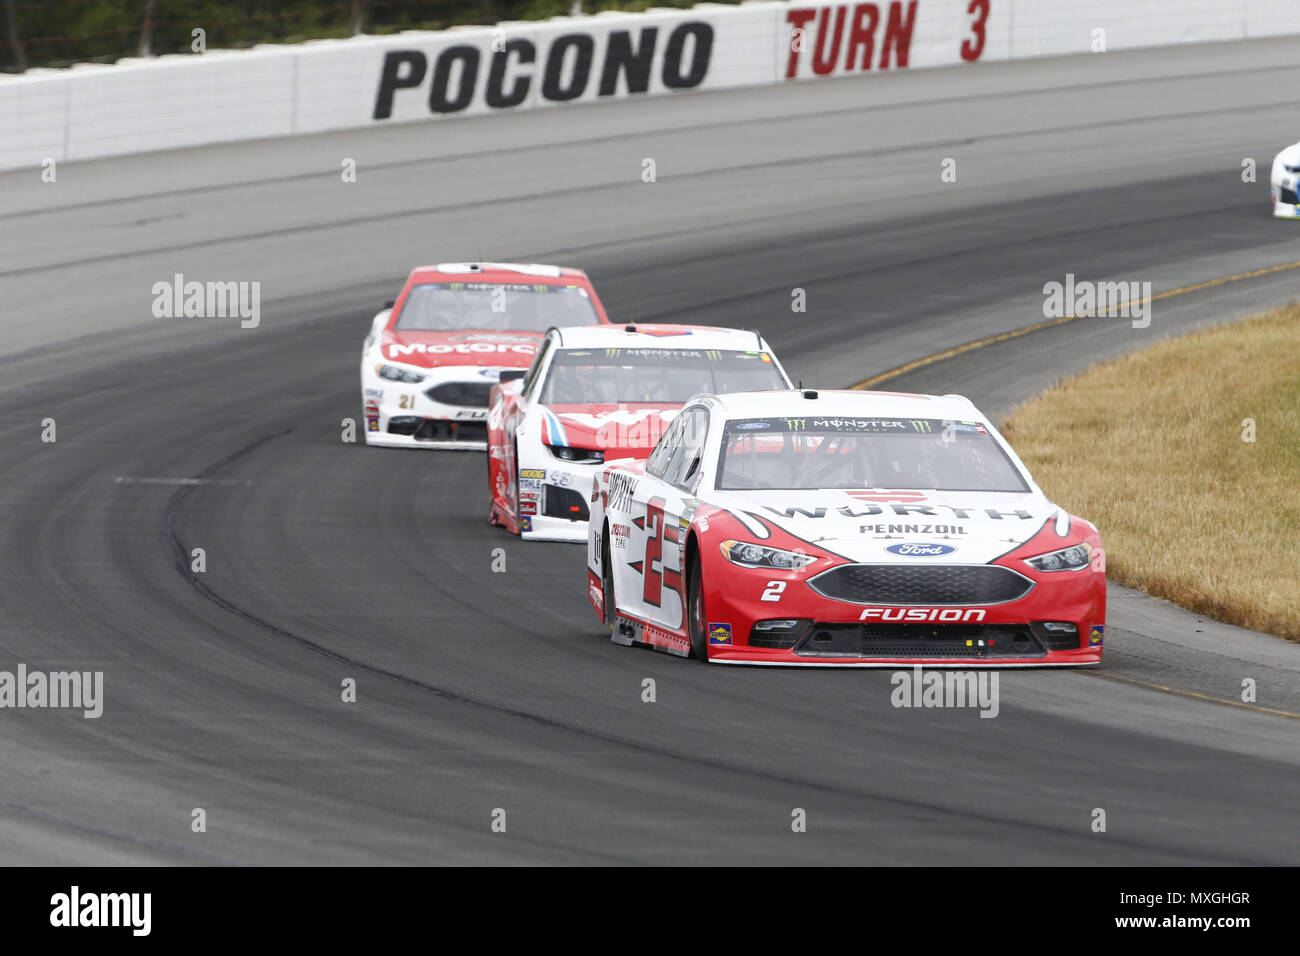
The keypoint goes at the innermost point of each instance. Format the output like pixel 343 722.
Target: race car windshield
pixel 671 376
pixel 861 453
pixel 532 307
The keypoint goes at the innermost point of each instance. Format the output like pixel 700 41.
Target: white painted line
pixel 129 480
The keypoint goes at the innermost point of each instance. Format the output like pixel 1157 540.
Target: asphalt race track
pixel 480 690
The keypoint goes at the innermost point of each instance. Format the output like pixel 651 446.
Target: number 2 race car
pixel 842 528
pixel 433 355
pixel 598 393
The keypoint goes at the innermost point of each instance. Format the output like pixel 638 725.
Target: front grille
pixel 940 584
pixel 943 641
pixel 564 503
pixel 1289 197
pixel 463 394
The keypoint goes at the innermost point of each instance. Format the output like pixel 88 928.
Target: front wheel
pixel 607 581
pixel 695 619
pixel 492 491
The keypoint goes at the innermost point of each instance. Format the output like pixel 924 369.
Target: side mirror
pixel 510 374
pixel 390 303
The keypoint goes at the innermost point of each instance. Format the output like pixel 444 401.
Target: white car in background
pixel 603 392
pixel 1284 183
pixel 433 355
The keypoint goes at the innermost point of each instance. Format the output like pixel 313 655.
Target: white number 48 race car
pixel 1284 183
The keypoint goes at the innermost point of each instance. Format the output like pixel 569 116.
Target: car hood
pixel 461 347
pixel 958 527
pixel 629 429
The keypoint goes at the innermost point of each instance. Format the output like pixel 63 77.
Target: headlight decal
pixel 578 456
pixel 393 373
pixel 1074 558
pixel 749 555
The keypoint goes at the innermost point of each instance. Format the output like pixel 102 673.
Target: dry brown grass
pixel 1149 448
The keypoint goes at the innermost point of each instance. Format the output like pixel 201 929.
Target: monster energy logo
pixel 456 285
pixel 715 354
pixel 920 425
pixel 796 424
pixel 611 353
pixel 539 288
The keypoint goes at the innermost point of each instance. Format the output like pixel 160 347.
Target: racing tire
pixel 492 497
pixel 696 621
pixel 607 581
pixel 519 519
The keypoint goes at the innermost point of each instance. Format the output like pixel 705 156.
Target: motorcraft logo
pixel 398 350
pixel 501 73
pixel 920 550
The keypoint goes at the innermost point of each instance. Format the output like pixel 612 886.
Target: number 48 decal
pixel 773 591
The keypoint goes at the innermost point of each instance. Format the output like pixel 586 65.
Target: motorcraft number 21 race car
pixel 842 528
pixel 433 355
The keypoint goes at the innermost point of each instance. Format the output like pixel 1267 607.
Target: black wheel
pixel 607 580
pixel 519 519
pixel 492 493
pixel 696 621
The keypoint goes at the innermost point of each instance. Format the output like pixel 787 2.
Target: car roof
pixel 496 272
pixel 661 336
pixel 845 403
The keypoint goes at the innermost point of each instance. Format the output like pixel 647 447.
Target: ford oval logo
pixel 916 550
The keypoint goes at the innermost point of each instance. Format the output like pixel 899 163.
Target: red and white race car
pixel 869 529
pixel 602 392
pixel 433 354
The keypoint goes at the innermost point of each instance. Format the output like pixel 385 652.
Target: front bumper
pixel 1286 201
pixel 542 528
pixel 1081 657
pixel 417 431
pixel 398 415
pixel 1031 631
pixel 552 503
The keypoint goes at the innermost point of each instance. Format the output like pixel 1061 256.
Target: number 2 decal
pixel 773 591
pixel 654 550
